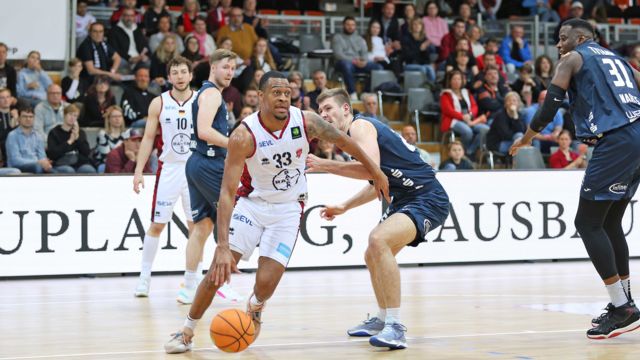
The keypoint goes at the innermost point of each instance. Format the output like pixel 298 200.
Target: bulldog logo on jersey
pixel 181 143
pixel 285 179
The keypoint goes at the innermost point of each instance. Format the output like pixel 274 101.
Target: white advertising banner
pixel 57 225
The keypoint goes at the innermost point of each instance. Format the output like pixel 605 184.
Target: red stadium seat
pixel 616 20
pixel 268 12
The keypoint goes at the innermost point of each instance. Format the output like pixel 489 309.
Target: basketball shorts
pixel 204 178
pixel 613 173
pixel 428 208
pixel 272 227
pixel 171 184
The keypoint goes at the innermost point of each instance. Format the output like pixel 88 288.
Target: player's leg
pixel 149 251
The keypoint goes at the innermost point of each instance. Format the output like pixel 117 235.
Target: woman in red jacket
pixel 460 113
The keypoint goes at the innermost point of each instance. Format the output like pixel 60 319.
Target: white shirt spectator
pixel 377 49
pixel 82 25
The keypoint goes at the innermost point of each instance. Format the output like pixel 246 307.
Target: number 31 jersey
pixel 275 171
pixel 176 126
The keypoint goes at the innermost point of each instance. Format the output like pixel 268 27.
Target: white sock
pixel 254 301
pixel 149 250
pixel 191 323
pixel 382 314
pixel 626 284
pixel 190 279
pixel 393 316
pixel 199 269
pixel 617 294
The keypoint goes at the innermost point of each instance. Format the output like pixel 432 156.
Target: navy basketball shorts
pixel 204 177
pixel 613 173
pixel 427 208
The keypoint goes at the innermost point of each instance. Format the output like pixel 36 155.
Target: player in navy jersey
pixel 605 104
pixel 419 204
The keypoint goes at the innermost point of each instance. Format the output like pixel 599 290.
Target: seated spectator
pixel 460 113
pixel 122 159
pixel 164 30
pixel 25 148
pixel 49 113
pixel 128 41
pixel 296 77
pixel 218 16
pixel 474 34
pixel 634 59
pixel 564 158
pixel 159 60
pixel 327 150
pixel 251 99
pixel 544 71
pixel 526 85
pixel 74 88
pixel 8 75
pixel 376 50
pixel 99 98
pixel 83 20
pixel 320 81
pixel 491 47
pixel 417 50
pixel 370 102
pixel 297 99
pixel 109 137
pixel 7 170
pixel 451 62
pixel 456 160
pixel 450 40
pixel 8 117
pixel 126 4
pixel 390 28
pixel 464 12
pixel 97 56
pixel 462 64
pixel 507 125
pixel 151 18
pixel 409 14
pixel 207 45
pixel 242 35
pixel 33 81
pixel 489 61
pixel 549 135
pixel 256 79
pixel 411 137
pixel 491 94
pixel 350 54
pixel 246 111
pixel 136 100
pixel 227 44
pixel 542 9
pixel 514 49
pixel 184 24
pixel 67 145
pixel 435 27
pixel 260 59
pixel 192 51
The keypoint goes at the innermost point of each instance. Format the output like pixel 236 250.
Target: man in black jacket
pixel 7 72
pixel 124 34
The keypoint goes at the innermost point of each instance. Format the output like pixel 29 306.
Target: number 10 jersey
pixel 176 126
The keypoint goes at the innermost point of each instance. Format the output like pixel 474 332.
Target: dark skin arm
pixel 567 67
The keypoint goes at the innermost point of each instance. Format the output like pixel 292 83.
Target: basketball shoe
pixel 255 312
pixel 176 345
pixel 186 295
pixel 142 289
pixel 607 312
pixel 371 326
pixel 226 292
pixel 392 336
pixel 620 320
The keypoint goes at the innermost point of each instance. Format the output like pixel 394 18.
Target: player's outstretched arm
pixel 318 128
pixel 241 146
pixel 362 197
pixel 568 65
pixel 208 103
pixel 146 146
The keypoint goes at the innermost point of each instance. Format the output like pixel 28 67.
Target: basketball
pixel 232 330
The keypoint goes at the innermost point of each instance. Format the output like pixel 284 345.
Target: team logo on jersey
pixel 295 132
pixel 285 179
pixel 298 153
pixel 265 161
pixel 181 143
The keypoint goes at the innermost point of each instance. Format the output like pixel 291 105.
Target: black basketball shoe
pixel 607 311
pixel 620 320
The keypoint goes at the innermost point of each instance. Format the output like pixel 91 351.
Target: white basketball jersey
pixel 275 171
pixel 176 126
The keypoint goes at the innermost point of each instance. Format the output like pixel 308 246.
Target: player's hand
pixel 517 145
pixel 222 266
pixel 138 181
pixel 381 183
pixel 331 211
pixel 314 164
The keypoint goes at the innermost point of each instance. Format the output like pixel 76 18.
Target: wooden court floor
pixel 504 311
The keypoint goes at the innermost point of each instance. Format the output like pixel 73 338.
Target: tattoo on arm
pixel 318 128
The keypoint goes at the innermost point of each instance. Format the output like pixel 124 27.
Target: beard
pixel 281 118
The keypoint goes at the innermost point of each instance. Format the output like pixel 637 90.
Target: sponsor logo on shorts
pixel 284 250
pixel 618 188
pixel 295 132
pixel 285 179
pixel 181 143
pixel 242 218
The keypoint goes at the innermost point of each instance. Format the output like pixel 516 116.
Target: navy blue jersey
pixel 603 94
pixel 401 162
pixel 219 123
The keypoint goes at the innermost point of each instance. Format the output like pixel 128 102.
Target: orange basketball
pixel 232 330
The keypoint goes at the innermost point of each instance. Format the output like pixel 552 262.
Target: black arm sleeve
pixel 548 109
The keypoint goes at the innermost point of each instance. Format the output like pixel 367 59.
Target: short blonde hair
pixel 221 54
pixel 71 108
pixel 339 94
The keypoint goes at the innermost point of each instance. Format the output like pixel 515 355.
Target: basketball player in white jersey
pixel 172 111
pixel 267 155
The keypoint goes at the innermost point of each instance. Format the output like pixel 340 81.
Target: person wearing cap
pixel 122 159
pixel 575 11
